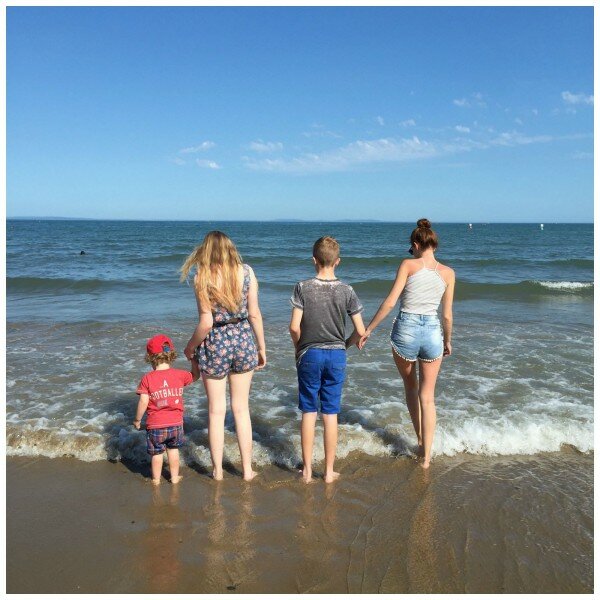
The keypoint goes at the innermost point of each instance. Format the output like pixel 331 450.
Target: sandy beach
pixel 472 524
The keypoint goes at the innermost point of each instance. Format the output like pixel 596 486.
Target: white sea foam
pixel 565 285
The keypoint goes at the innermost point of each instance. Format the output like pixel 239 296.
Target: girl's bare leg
pixel 408 372
pixel 239 388
pixel 428 373
pixel 307 436
pixel 215 392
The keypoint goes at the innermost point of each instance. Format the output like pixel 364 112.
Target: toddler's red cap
pixel 159 343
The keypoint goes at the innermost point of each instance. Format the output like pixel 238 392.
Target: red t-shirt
pixel 165 388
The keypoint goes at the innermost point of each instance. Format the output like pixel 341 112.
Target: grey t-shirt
pixel 325 304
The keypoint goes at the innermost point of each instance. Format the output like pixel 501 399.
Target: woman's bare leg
pixel 239 388
pixel 428 373
pixel 408 371
pixel 215 392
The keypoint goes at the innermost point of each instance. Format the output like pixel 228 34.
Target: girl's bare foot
pixel 250 476
pixel 306 476
pixel 176 479
pixel 331 477
pixel 156 481
pixel 217 474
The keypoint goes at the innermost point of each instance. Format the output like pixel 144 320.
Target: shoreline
pixel 471 524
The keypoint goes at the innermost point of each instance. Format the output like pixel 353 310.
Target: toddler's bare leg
pixel 307 436
pixel 173 456
pixel 330 437
pixel 157 463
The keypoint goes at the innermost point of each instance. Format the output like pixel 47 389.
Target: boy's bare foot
pixel 156 481
pixel 331 477
pixel 217 474
pixel 250 476
pixel 176 479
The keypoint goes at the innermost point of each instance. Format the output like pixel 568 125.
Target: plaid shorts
pixel 158 440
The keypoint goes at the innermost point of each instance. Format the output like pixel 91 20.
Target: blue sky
pixel 459 114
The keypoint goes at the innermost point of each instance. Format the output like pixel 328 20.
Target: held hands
pixel 363 339
pixel 137 423
pixel 447 348
pixel 189 351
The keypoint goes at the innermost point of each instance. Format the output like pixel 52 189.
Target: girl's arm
pixel 255 318
pixel 447 299
pixel 389 303
pixel 205 323
pixel 141 409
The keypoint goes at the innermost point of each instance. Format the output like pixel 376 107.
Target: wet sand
pixel 470 524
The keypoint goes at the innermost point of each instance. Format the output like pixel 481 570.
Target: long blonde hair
pixel 217 264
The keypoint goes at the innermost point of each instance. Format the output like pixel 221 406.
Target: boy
pixel 161 394
pixel 318 330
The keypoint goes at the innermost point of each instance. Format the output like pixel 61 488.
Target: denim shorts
pixel 158 440
pixel 417 337
pixel 321 374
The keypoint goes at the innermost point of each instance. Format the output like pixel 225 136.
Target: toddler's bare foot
pixel 176 478
pixel 250 476
pixel 331 477
pixel 156 481
pixel 217 474
pixel 306 475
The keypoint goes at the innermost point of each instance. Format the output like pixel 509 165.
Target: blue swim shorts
pixel 417 337
pixel 321 374
pixel 158 440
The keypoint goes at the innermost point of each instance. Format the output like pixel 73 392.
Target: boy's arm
pixel 141 409
pixel 359 330
pixel 295 321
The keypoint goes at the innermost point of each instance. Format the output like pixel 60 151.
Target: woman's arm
pixel 389 303
pixel 205 323
pixel 255 318
pixel 447 299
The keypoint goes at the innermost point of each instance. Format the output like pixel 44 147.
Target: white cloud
pixel 207 164
pixel 260 146
pixel 570 98
pixel 473 100
pixel 407 123
pixel 462 129
pixel 177 160
pixel 343 158
pixel 514 138
pixel 380 120
pixel 207 145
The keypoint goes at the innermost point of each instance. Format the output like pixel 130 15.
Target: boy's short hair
pixel 326 251
pixel 161 357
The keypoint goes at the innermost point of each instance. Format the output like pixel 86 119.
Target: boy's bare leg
pixel 215 391
pixel 157 463
pixel 239 387
pixel 173 456
pixel 307 436
pixel 428 373
pixel 408 372
pixel 330 437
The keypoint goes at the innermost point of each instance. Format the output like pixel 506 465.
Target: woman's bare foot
pixel 250 476
pixel 156 481
pixel 176 479
pixel 306 475
pixel 420 450
pixel 217 474
pixel 425 463
pixel 331 477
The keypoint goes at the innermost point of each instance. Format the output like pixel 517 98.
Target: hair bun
pixel 425 223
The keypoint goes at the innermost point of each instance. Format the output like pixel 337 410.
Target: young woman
pixel 222 343
pixel 421 284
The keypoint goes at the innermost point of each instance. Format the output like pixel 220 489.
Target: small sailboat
pixel 542 226
pixel 470 225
